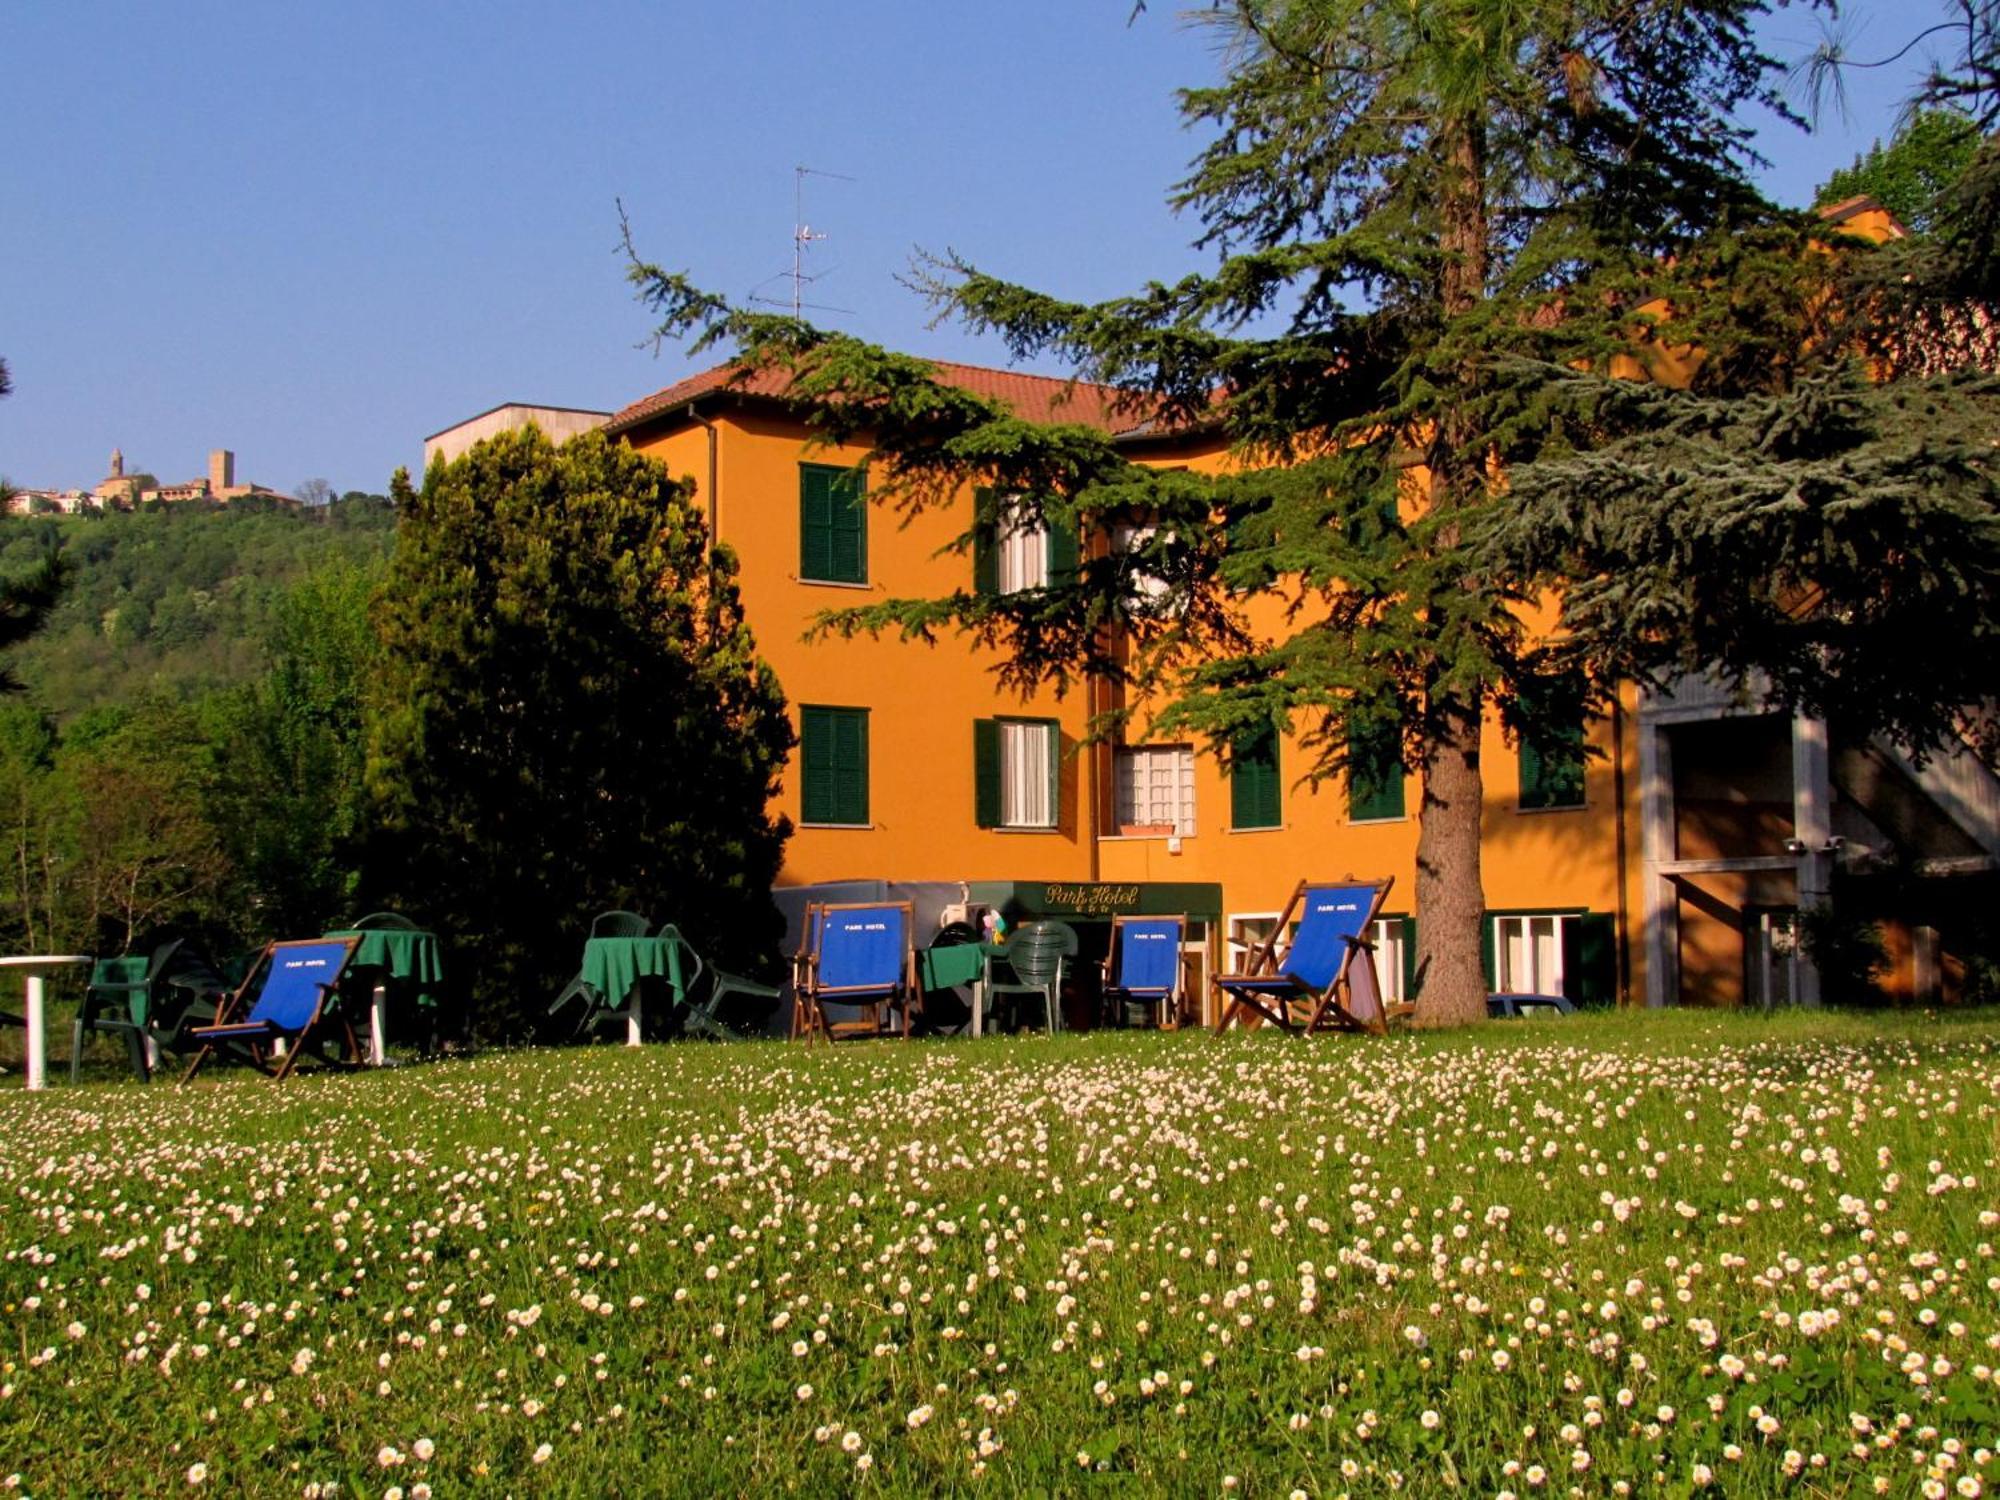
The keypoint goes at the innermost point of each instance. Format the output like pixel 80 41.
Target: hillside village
pixel 130 489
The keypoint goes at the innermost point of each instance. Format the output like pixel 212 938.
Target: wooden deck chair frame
pixel 809 998
pixel 1170 1003
pixel 296 1044
pixel 1332 1007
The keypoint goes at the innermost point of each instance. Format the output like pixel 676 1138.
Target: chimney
pixel 221 471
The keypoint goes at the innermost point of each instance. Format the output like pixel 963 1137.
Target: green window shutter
pixel 1256 795
pixel 1375 774
pixel 833 765
pixel 1590 959
pixel 1063 553
pixel 986 772
pixel 985 544
pixel 850 527
pixel 850 791
pixel 815 766
pixel 815 521
pixel 1552 774
pixel 833 524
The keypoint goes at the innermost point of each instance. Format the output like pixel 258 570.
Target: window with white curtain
pixel 1148 588
pixel 1027 761
pixel 1155 786
pixel 1023 546
pixel 1391 939
pixel 1528 955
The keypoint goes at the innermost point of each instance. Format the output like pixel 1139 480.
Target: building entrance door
pixel 1770 956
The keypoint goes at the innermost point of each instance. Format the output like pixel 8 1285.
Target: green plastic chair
pixel 620 924
pixel 156 999
pixel 704 1018
pixel 119 1000
pixel 1036 954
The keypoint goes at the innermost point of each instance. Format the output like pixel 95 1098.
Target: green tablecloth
pixel 414 959
pixel 947 968
pixel 612 965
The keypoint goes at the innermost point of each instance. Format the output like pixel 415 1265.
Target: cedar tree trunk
pixel 1451 901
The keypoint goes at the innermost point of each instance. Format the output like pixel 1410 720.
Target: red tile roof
pixel 1035 397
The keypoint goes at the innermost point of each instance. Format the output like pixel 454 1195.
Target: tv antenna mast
pixel 804 236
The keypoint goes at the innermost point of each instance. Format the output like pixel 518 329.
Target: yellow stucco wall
pixel 922 700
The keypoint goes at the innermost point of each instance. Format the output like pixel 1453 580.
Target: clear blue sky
pixel 314 234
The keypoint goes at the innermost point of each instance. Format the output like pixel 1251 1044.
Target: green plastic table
pixel 965 963
pixel 413 958
pixel 613 966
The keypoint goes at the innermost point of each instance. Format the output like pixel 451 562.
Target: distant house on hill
pixel 22 502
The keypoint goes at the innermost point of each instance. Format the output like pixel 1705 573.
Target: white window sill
pixel 1377 822
pixel 1024 828
pixel 1270 828
pixel 1567 807
pixel 850 827
pixel 832 583
pixel 1140 838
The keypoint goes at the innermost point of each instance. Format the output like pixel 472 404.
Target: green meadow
pixel 1657 1254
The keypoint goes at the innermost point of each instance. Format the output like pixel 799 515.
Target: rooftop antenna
pixel 803 237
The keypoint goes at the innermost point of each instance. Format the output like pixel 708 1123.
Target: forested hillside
pixel 186 755
pixel 176 602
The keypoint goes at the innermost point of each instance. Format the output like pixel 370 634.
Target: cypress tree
pixel 570 716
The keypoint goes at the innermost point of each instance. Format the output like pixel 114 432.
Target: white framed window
pixel 1148 588
pixel 1528 955
pixel 1246 934
pixel 1391 936
pixel 1027 774
pixel 1023 548
pixel 1155 786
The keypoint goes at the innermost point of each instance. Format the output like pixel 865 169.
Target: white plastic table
pixel 36 966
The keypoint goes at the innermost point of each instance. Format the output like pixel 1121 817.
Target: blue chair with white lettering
pixel 295 1000
pixel 1143 969
pixel 1327 967
pixel 856 957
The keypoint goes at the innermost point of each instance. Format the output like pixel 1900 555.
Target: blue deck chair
pixel 1144 967
pixel 1327 964
pixel 860 956
pixel 299 979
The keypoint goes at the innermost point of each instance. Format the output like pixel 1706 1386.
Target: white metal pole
pixel 38 1041
pixel 378 1015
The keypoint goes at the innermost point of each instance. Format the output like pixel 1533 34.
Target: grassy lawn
pixel 1610 1255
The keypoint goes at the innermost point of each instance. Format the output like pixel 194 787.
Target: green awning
pixel 1072 901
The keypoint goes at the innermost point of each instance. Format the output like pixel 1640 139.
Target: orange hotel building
pixel 1666 869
